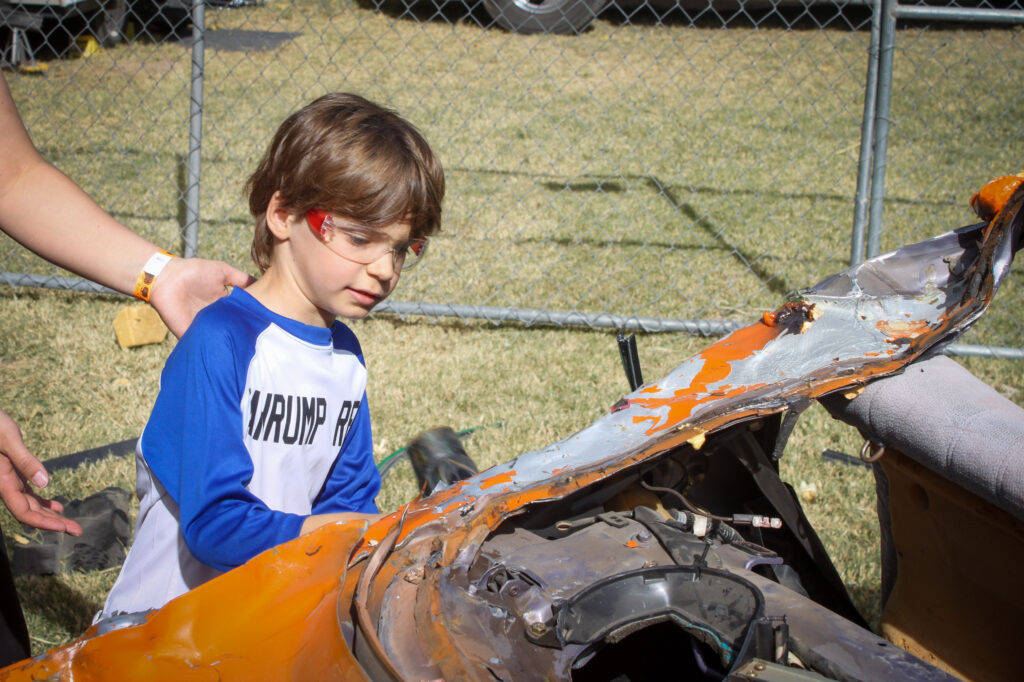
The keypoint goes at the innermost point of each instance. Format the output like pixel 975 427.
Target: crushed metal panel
pixel 868 321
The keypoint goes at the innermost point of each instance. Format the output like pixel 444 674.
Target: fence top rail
pixel 968 14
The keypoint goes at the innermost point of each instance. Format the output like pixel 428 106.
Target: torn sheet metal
pixel 863 323
pixel 495 577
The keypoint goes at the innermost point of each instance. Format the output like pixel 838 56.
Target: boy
pixel 261 430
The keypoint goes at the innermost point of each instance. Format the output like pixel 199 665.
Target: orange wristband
pixel 152 268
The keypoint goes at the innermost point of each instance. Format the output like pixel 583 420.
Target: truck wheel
pixel 109 22
pixel 545 16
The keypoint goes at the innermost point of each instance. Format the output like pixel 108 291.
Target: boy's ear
pixel 277 217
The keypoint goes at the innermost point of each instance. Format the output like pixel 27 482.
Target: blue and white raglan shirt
pixel 260 422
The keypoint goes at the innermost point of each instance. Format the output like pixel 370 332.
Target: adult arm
pixel 45 211
pixel 49 214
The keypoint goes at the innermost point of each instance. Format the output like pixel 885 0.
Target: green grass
pixel 666 171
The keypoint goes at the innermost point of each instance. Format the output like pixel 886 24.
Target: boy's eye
pixel 357 239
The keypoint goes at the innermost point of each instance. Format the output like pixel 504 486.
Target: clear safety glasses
pixel 361 244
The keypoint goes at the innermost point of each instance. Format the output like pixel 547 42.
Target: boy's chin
pixel 356 312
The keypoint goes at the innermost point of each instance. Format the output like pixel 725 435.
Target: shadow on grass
pixel 772 281
pixel 48 598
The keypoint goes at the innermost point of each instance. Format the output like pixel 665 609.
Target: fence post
pixel 886 47
pixel 867 140
pixel 195 130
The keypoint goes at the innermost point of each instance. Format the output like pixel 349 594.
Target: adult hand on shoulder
pixel 187 285
pixel 17 465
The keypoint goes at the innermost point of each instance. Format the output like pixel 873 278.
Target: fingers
pixel 52 505
pixel 18 465
pixel 12 447
pixel 37 515
pixel 187 285
pixel 29 508
pixel 235 277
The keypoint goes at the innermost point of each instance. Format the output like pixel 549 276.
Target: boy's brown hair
pixel 348 156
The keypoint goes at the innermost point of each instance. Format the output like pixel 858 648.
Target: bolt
pixel 537 629
pixel 643 536
pixel 513 590
pixel 759 667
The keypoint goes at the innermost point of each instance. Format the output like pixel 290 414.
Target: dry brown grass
pixel 664 170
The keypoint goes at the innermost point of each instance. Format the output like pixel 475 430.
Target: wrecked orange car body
pixel 659 536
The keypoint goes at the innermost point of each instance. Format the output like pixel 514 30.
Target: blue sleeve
pixel 193 443
pixel 354 482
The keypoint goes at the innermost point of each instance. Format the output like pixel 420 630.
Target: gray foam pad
pixel 942 416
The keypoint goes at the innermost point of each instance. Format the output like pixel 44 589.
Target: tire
pixel 109 24
pixel 566 17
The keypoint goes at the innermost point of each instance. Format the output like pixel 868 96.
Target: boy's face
pixel 326 271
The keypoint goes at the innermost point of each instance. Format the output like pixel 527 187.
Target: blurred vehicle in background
pixel 545 16
pixel 575 16
pixel 51 28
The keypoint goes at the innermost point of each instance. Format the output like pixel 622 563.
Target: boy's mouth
pixel 364 297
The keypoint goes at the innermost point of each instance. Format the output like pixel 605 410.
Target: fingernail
pixel 40 479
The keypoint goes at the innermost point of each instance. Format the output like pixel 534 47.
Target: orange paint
pixel 632 544
pixel 718 359
pixel 991 198
pixel 497 479
pixel 452 505
pixel 250 623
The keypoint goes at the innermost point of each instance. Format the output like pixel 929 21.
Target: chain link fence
pixel 669 166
